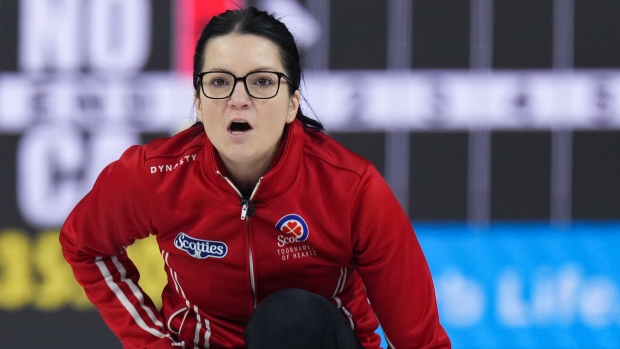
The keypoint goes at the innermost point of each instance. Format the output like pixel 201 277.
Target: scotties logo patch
pixel 200 249
pixel 294 227
pixel 290 243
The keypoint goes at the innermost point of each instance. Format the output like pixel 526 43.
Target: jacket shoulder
pixel 328 150
pixel 176 145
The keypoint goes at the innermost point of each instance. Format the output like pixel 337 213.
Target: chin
pixel 240 156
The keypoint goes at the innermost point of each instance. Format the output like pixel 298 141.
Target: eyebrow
pixel 263 68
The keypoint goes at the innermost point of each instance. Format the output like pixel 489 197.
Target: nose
pixel 240 97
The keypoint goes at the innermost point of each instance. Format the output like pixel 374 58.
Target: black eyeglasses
pixel 258 84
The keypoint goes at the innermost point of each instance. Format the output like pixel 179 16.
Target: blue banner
pixel 526 285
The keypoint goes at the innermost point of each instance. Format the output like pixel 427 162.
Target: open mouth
pixel 238 127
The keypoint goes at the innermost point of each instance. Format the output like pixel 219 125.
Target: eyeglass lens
pixel 258 84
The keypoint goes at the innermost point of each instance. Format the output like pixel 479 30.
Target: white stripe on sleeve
pixel 136 292
pixel 341 281
pixel 124 300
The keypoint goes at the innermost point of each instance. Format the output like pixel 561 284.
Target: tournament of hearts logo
pixel 294 227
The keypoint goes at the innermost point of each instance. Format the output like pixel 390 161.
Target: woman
pixel 273 235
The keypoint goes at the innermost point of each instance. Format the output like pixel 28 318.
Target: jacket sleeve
pixel 110 217
pixel 393 267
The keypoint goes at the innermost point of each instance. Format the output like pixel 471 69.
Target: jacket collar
pixel 280 177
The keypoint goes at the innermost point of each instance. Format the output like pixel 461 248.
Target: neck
pixel 245 176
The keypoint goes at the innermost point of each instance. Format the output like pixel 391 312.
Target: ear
pixel 198 106
pixel 293 107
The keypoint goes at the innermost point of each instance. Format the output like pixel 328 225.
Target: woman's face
pixel 256 143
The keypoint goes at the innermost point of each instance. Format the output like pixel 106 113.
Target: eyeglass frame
pixel 236 79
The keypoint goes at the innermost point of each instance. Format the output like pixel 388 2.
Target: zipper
pixel 245 207
pixel 244 217
pixel 252 281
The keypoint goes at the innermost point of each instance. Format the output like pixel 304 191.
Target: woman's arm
pixel 112 216
pixel 394 269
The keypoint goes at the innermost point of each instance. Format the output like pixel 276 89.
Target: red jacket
pixel 322 219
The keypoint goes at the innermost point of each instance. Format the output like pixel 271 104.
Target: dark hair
pixel 260 23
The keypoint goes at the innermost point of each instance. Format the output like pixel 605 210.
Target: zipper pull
pixel 248 209
pixel 244 211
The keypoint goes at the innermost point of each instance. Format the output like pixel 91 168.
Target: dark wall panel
pixel 522 34
pixel 370 145
pixel 8 181
pixel 520 175
pixel 358 34
pixel 596 175
pixel 56 330
pixel 438 176
pixel 597 34
pixel 9 14
pixel 161 36
pixel 440 34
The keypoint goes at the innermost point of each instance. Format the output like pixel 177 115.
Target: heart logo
pixel 293 227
